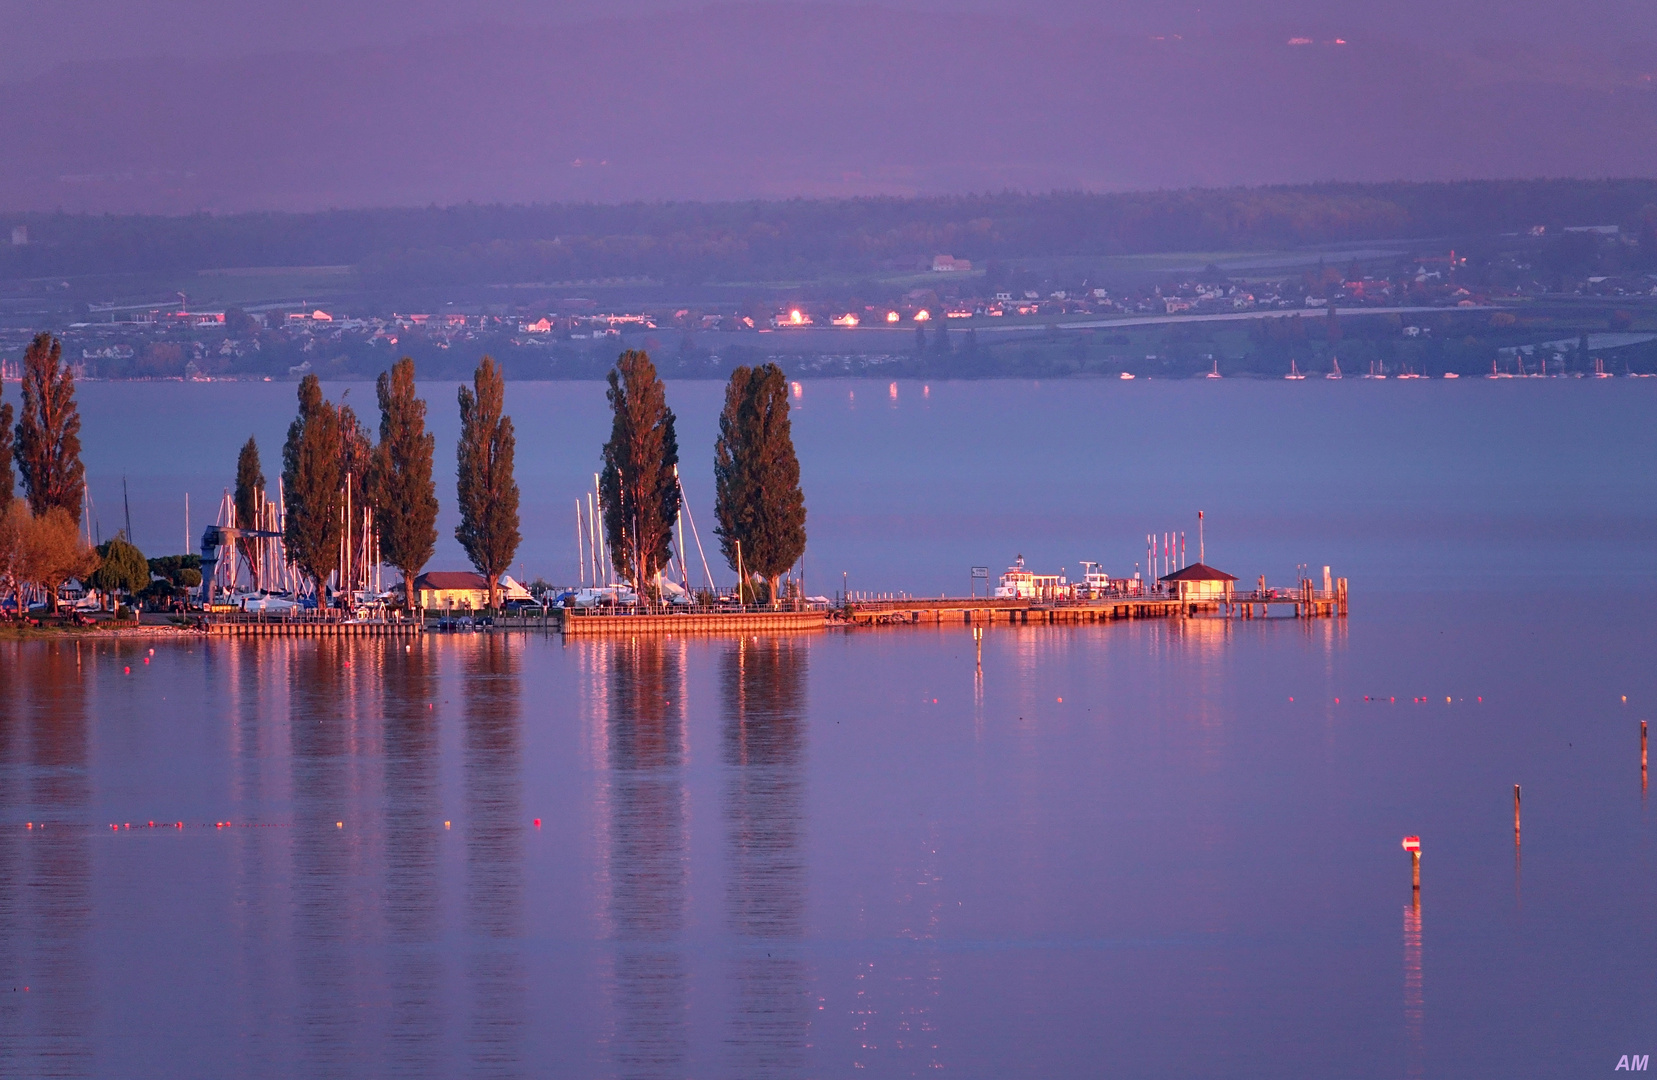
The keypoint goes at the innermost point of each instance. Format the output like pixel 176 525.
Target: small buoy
pixel 30 825
pixel 117 828
pixel 537 823
pixel 126 671
pixel 1337 701
pixel 146 659
pixel 179 825
pixel 339 824
pixel 445 824
pixel 1291 699
pixel 1446 701
pixel 1061 700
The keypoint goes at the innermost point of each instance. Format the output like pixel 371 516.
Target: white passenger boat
pixel 1017 583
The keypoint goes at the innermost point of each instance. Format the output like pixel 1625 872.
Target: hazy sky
pixel 178 105
pixel 39 35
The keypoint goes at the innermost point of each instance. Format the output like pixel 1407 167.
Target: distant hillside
pixel 698 242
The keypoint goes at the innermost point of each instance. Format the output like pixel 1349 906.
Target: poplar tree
pixel 311 483
pixel 757 496
pixel 488 528
pixel 639 484
pixel 404 494
pixel 48 446
pixel 250 484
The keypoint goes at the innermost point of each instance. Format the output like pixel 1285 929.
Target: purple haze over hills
pixel 816 100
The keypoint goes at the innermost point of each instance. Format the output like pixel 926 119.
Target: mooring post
pixel 1642 755
pixel 978 643
pixel 1412 844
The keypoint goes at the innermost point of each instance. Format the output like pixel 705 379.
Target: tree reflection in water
pixel 326 920
pixel 45 875
pixel 647 857
pixel 494 855
pixel 763 683
pixel 413 805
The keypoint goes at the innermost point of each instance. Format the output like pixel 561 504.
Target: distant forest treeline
pixel 801 238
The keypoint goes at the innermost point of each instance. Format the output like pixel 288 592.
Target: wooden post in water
pixel 1515 815
pixel 1412 844
pixel 1642 755
pixel 978 643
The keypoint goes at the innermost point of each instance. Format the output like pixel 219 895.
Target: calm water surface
pixel 1159 849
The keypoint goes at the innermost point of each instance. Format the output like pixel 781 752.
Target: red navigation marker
pixel 1412 843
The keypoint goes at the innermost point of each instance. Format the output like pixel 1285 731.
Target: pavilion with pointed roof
pixel 1200 582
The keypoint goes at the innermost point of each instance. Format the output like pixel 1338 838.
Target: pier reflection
pixel 45 874
pixel 763 684
pixel 412 909
pixel 647 857
pixel 1414 1055
pixel 494 855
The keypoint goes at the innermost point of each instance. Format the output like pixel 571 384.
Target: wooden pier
pixel 1304 603
pixel 253 626
pixel 574 622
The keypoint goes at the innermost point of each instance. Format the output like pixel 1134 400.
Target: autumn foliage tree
pixel 757 498
pixel 8 479
pixel 404 494
pixel 48 443
pixel 312 484
pixel 640 483
pixel 53 552
pixel 15 522
pixel 488 528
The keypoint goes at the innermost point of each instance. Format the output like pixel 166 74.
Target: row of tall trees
pixel 40 541
pixel 758 504
pixel 328 456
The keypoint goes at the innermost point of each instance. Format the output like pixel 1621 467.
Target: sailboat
pixel 1335 374
pixel 1373 374
pixel 1294 371
pixel 1215 374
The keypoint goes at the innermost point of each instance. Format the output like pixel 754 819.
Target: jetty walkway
pixel 1305 602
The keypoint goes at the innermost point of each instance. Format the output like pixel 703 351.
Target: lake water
pixel 1165 849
